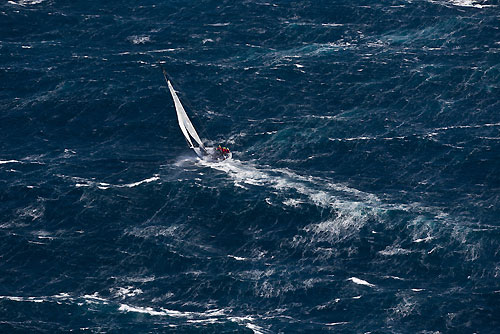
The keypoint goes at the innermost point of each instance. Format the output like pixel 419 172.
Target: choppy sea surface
pixel 363 195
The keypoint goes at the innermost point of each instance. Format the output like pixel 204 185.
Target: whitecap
pixel 147 310
pixel 393 250
pixel 143 39
pixel 148 180
pixel 218 24
pixel 423 239
pixel 26 2
pixel 360 282
pixel 9 161
pixel 123 292
pixel 337 323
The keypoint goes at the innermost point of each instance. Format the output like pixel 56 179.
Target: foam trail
pixel 284 179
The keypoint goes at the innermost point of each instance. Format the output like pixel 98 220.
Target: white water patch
pixel 292 202
pixel 337 323
pixel 163 50
pixel 95 299
pixel 140 279
pixel 359 281
pixel 25 2
pixel 135 39
pixel 248 323
pixel 225 24
pixel 135 184
pixel 320 191
pixel 394 250
pixel 352 208
pixel 2 162
pixel 124 292
pixel 137 309
pixel 423 239
pixel 470 3
pixel 173 231
pixel 40 299
pixel 82 182
pixel 24 299
pixel 206 317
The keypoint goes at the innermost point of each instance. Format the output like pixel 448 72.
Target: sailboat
pixel 189 132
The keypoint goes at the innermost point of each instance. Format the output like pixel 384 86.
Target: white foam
pixel 25 299
pixel 207 317
pixel 248 323
pixel 2 162
pixel 393 250
pixel 337 323
pixel 81 182
pixel 423 239
pixel 140 39
pixel 237 258
pixel 26 2
pixel 62 295
pixel 218 24
pixel 162 50
pixel 146 310
pixel 256 329
pixel 292 202
pixel 95 299
pixel 129 291
pixel 135 184
pixel 469 3
pixel 360 282
pixel 13 298
pixel 141 279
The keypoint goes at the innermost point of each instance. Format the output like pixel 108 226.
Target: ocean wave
pixel 82 182
pixel 209 316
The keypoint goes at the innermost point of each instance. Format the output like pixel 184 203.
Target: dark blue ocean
pixel 363 195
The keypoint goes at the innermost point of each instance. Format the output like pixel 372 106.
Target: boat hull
pixel 212 154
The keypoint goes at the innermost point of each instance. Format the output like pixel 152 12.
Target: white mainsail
pixel 185 124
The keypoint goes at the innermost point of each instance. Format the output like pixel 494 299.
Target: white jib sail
pixel 184 122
